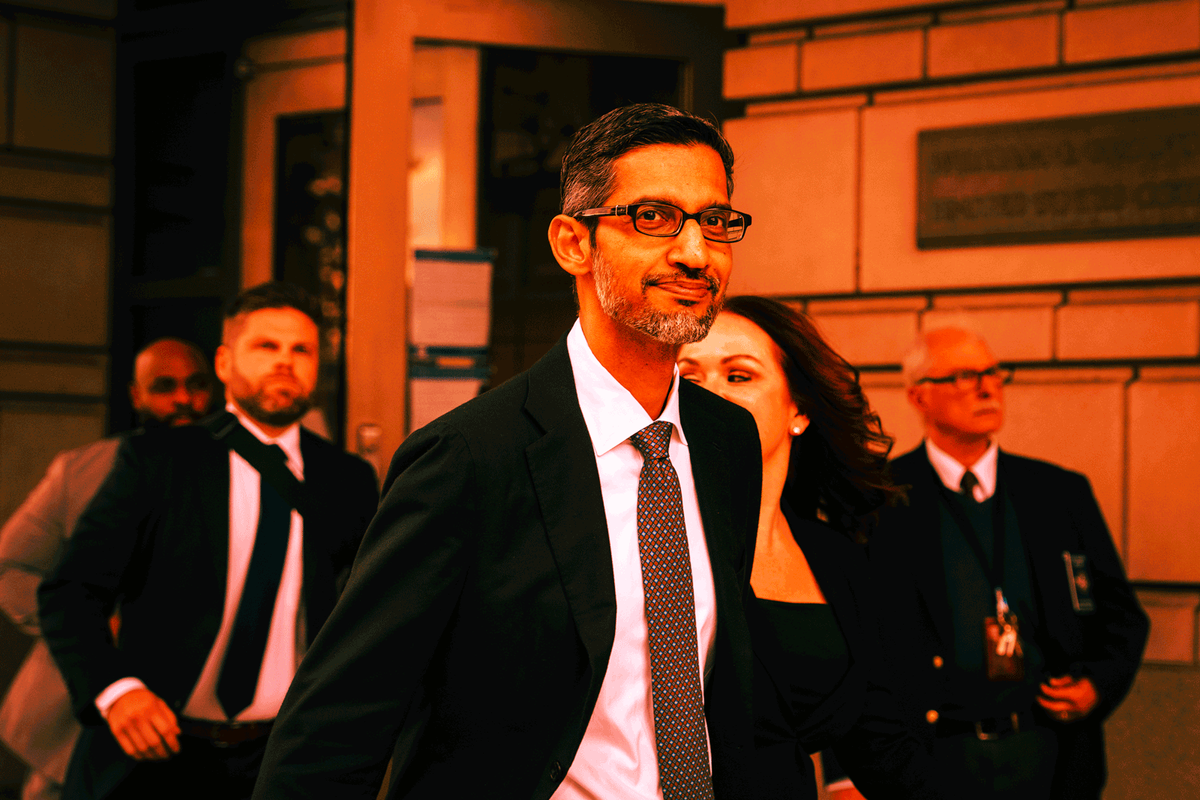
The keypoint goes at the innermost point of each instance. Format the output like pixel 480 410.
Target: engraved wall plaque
pixel 1107 176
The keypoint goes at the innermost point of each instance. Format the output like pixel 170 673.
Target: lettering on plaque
pixel 1107 176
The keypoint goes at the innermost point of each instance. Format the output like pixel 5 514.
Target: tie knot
pixel 275 453
pixel 968 484
pixel 654 440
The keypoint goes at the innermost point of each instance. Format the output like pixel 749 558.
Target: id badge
pixel 1079 582
pixel 1002 644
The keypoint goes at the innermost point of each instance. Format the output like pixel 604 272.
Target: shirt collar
pixel 289 440
pixel 951 472
pixel 610 412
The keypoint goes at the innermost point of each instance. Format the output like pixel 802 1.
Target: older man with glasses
pixel 1009 626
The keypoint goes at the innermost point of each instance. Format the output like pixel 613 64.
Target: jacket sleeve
pixel 78 597
pixel 29 547
pixel 347 704
pixel 1115 635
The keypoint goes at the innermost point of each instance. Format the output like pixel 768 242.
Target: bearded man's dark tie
pixel 252 625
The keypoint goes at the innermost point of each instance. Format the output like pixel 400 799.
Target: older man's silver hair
pixel 915 361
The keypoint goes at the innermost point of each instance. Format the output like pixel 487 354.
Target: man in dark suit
pixel 503 633
pixel 172 385
pixel 1009 625
pixel 223 546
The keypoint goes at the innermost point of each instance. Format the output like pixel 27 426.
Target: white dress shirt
pixel 280 658
pixel 617 759
pixel 951 472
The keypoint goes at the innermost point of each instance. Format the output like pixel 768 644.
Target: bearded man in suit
pixel 549 602
pixel 1008 622
pixel 172 385
pixel 223 545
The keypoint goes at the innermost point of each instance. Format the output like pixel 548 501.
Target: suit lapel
pixel 562 465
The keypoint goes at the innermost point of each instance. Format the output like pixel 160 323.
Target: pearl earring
pixel 796 431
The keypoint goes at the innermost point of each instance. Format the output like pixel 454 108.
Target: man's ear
pixel 571 242
pixel 916 396
pixel 222 364
pixel 135 394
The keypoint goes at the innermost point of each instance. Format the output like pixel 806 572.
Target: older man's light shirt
pixel 951 472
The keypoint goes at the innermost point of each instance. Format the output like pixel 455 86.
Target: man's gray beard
pixel 682 327
pixel 278 418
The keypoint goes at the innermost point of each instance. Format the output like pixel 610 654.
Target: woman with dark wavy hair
pixel 825 477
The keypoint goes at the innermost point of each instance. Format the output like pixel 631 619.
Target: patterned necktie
pixel 248 640
pixel 967 486
pixel 670 623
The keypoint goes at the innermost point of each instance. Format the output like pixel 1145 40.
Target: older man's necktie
pixel 248 640
pixel 967 486
pixel 671 623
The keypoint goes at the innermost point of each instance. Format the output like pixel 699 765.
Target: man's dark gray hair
pixel 587 175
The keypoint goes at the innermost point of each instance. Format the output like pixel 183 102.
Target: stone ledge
pixel 872 25
pixel 859 305
pixel 807 106
pixel 772 37
pixel 998 300
pixel 882 379
pixel 1169 374
pixel 1147 294
pixel 1031 375
pixel 1001 12
pixel 1061 80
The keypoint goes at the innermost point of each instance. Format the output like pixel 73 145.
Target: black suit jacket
pixel 860 719
pixel 477 625
pixel 155 543
pixel 1057 512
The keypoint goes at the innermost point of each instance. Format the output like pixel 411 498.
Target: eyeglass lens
pixel 716 224
pixel 969 378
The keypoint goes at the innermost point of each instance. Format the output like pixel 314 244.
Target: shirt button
pixel 937 662
pixel 931 716
pixel 556 771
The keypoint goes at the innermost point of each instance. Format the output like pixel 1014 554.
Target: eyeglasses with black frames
pixel 665 220
pixel 966 380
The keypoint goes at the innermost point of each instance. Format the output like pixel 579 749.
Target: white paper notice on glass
pixel 450 303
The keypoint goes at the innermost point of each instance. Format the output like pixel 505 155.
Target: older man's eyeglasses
pixel 665 220
pixel 966 380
